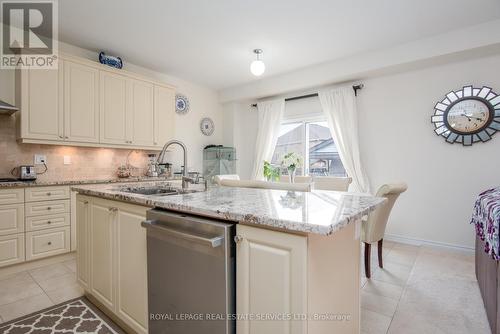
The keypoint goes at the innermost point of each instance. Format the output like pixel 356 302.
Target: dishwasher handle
pixel 213 242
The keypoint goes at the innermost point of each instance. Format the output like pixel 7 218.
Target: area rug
pixel 75 316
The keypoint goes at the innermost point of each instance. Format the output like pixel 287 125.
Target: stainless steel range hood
pixel 7 109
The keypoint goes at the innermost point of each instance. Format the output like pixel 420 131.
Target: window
pixel 312 141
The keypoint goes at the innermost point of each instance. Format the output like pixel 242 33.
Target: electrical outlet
pixel 40 159
pixel 67 159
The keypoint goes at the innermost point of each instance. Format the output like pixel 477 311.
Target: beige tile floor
pixel 422 290
pixel 37 287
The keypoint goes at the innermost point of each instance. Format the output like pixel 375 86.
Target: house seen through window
pixel 312 141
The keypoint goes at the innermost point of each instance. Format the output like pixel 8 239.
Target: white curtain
pixel 339 106
pixel 270 115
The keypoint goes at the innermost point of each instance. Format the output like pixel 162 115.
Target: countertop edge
pixel 31 184
pixel 245 219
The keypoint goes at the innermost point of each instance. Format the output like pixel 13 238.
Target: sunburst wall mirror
pixel 467 116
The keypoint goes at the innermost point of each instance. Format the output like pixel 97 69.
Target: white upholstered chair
pixel 218 178
pixel 298 179
pixel 374 227
pixel 332 183
pixel 305 187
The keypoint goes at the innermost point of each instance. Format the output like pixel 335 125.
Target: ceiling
pixel 211 41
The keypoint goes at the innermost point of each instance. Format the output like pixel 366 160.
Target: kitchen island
pixel 297 254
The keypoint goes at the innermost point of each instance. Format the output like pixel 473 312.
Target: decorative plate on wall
pixel 207 126
pixel 468 115
pixel 181 104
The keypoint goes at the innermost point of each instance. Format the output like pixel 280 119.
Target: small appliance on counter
pixel 152 166
pixel 25 173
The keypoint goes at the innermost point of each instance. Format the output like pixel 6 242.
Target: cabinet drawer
pixel 11 249
pixel 47 242
pixel 11 196
pixel 37 223
pixel 11 219
pixel 46 193
pixel 47 208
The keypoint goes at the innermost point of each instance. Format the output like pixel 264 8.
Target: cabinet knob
pixel 238 239
pixel 85 202
pixel 49 208
pixel 49 222
pixel 61 137
pixel 66 137
pixel 48 194
pixel 49 243
pixel 113 209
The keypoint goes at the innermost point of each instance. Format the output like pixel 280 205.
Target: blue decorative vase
pixel 112 61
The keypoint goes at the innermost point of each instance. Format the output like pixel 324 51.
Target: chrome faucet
pixel 185 179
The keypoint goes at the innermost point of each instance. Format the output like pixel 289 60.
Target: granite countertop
pixel 37 183
pixel 319 212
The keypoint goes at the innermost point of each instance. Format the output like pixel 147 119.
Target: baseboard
pixel 421 242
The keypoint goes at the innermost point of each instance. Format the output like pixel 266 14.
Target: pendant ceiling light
pixel 257 67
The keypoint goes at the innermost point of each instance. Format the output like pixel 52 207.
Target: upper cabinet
pixel 113 103
pixel 84 103
pixel 41 103
pixel 142 113
pixel 81 103
pixel 164 115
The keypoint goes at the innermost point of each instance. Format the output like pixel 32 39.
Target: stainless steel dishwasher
pixel 191 274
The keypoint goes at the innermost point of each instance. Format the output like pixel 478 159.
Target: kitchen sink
pixel 156 191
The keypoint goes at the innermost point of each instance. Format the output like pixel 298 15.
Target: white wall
pixel 203 101
pixel 398 144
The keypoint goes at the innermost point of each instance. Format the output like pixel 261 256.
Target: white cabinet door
pixel 11 249
pixel 11 219
pixel 102 231
pixel 271 270
pixel 41 103
pixel 141 124
pixel 83 241
pixel 164 115
pixel 81 103
pixel 131 262
pixel 114 113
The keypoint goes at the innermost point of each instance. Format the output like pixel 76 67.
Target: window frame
pixel 306 121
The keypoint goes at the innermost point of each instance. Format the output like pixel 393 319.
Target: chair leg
pixel 379 248
pixel 367 259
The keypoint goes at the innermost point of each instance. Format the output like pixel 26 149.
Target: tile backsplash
pixel 86 163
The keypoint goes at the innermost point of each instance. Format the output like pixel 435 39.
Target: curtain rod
pixel 355 87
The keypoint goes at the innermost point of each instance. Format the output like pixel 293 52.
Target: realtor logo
pixel 29 34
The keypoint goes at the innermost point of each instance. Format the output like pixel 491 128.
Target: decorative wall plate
pixel 468 115
pixel 207 126
pixel 181 104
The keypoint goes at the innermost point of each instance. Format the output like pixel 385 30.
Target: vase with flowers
pixel 291 161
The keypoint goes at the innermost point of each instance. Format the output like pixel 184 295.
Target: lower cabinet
pixel 112 257
pixel 40 244
pixel 102 225
pixel 131 266
pixel 271 278
pixel 11 249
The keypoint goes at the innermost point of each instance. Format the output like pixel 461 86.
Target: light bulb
pixel 257 67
